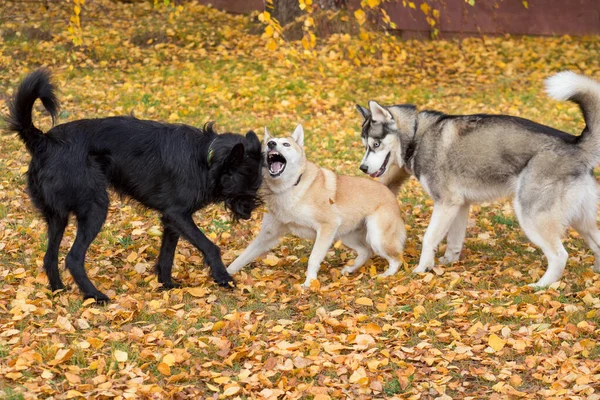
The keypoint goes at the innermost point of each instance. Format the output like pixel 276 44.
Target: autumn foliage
pixel 468 330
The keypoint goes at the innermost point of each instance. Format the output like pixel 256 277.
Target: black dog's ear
pixel 253 142
pixel 236 155
pixel 363 111
pixel 253 139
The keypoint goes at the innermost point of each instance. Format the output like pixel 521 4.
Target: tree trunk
pixel 286 11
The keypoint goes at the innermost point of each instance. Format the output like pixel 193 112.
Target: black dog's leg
pixel 165 258
pixel 56 229
pixel 184 224
pixel 88 226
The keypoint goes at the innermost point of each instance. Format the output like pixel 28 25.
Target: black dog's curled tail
pixel 35 86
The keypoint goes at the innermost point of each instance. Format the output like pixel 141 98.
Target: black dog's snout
pixel 364 168
pixel 271 144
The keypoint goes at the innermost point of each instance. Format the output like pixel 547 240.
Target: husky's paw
pixel 448 259
pixel 536 286
pixel 421 268
pixel 596 267
pixel 307 282
pixel 347 270
pixel 540 285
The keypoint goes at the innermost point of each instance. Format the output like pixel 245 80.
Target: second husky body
pixel 314 203
pixel 465 159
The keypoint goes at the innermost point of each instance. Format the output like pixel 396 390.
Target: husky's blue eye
pixel 286 144
pixel 376 144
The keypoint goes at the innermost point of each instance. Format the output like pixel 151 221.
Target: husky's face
pixel 284 154
pixel 378 136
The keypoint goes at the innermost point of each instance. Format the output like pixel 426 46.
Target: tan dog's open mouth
pixel 276 163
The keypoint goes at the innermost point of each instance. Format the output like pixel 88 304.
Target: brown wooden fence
pixel 492 17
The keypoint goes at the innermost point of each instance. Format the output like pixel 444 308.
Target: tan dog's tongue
pixel 276 166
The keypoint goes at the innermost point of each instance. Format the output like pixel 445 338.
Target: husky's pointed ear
pixel 236 155
pixel 363 111
pixel 379 113
pixel 267 136
pixel 298 135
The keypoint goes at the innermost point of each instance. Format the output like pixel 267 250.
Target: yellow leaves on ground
pixel 364 301
pixel 132 257
pixel 120 356
pixel 164 368
pixel 61 356
pixel 197 291
pixel 496 342
pixel 231 390
pixel 169 359
pixel 271 260
pixel 466 330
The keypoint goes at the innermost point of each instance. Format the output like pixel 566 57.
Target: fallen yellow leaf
pixel 364 301
pixel 120 356
pixel 496 342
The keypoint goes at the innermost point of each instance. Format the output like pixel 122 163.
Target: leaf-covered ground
pixel 471 330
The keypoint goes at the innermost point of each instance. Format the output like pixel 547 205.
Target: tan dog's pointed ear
pixel 267 136
pixel 298 135
pixel 379 113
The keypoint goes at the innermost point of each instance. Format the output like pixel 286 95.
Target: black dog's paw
pixel 100 297
pixel 170 285
pixel 224 280
pixel 58 287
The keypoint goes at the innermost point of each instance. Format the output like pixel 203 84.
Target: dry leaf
pixel 120 356
pixel 496 342
pixel 164 369
pixel 364 301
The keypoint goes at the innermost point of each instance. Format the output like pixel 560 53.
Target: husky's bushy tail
pixel 35 86
pixel 585 92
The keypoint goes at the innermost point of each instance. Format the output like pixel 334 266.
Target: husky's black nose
pixel 271 144
pixel 364 168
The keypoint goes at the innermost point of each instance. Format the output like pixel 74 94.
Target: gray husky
pixel 464 159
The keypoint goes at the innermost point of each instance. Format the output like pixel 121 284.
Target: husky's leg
pixel 386 236
pixel 456 236
pixel 589 231
pixel 585 222
pixel 270 232
pixel 441 219
pixel 324 240
pixel 356 241
pixel 545 229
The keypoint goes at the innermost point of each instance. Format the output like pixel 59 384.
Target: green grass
pixel 501 219
pixel 10 394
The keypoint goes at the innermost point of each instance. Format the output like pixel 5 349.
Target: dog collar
pixel 412 146
pixel 298 181
pixel 210 152
pixel 410 151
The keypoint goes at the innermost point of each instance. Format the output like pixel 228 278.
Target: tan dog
pixel 315 203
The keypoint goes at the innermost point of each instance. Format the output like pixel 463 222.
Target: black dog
pixel 175 169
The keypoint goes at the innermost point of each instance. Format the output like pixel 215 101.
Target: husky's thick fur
pixel 174 169
pixel 315 203
pixel 464 159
